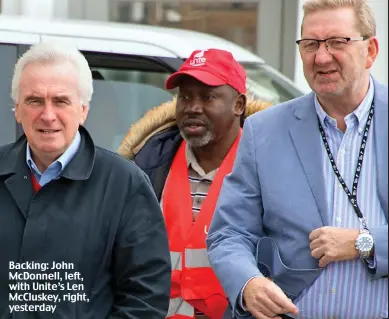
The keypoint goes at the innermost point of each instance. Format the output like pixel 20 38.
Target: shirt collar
pixel 192 163
pixel 62 161
pixel 361 112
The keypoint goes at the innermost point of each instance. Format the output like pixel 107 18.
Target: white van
pixel 129 63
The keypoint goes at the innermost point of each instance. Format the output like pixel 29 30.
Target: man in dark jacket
pixel 187 147
pixel 81 231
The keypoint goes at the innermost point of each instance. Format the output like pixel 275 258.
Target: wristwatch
pixel 364 244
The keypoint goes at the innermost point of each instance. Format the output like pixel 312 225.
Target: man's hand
pixel 333 244
pixel 264 299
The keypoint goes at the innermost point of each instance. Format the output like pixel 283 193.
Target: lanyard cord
pixel 352 197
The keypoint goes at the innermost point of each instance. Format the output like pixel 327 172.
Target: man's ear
pixel 240 104
pixel 17 113
pixel 84 114
pixel 372 52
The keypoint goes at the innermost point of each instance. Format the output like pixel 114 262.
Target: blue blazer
pixel 275 197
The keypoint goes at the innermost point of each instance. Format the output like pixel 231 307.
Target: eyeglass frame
pixel 348 39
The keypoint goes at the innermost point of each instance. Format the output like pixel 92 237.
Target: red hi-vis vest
pixel 194 284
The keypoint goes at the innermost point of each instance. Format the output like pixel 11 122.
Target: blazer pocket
pixel 291 281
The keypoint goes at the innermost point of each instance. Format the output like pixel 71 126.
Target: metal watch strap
pixel 363 254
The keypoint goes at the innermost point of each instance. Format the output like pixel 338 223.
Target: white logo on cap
pixel 198 59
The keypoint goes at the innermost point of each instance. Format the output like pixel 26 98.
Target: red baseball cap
pixel 213 67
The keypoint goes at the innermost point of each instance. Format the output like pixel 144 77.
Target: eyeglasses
pixel 333 45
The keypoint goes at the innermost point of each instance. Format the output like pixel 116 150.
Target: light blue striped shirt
pixel 55 168
pixel 345 290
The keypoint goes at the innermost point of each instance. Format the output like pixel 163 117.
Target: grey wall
pixel 276 29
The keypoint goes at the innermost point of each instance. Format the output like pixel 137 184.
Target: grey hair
pixel 55 53
pixel 366 23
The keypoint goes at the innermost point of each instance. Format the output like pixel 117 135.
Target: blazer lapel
pixel 381 143
pixel 306 139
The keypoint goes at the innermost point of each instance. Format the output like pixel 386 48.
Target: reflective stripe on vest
pixel 179 306
pixel 176 260
pixel 196 258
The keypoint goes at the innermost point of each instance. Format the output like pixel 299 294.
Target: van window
pixel 8 54
pixel 265 84
pixel 121 97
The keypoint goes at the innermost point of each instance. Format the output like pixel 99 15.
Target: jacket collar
pixel 381 141
pixel 79 168
pixel 305 109
pixel 380 94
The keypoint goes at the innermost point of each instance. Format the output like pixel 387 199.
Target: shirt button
pixel 338 220
pixel 340 186
pixel 333 290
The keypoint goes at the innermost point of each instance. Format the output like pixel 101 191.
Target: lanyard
pixel 352 197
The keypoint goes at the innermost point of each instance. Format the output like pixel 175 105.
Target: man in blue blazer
pixel 300 229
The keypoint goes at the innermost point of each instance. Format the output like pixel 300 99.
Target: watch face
pixel 365 242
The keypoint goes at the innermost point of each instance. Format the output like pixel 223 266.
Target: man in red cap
pixel 186 147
